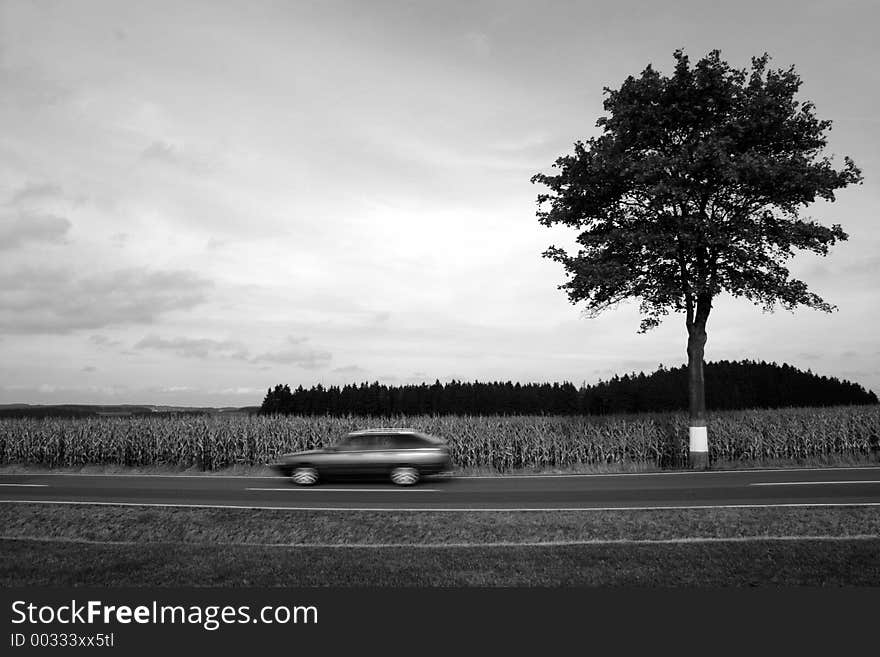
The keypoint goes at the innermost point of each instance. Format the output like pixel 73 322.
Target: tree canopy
pixel 695 187
pixel 731 385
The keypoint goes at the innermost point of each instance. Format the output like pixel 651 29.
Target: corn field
pixel 501 443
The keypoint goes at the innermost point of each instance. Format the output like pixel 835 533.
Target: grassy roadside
pixel 262 526
pixel 763 563
pixel 46 545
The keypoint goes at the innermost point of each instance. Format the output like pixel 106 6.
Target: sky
pixel 200 200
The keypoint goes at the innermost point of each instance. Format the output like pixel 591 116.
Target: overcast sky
pixel 201 200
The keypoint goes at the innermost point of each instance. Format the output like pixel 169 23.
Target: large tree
pixel 695 186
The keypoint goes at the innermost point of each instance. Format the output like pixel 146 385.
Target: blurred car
pixel 403 455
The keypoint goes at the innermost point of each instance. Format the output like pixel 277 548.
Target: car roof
pixel 396 430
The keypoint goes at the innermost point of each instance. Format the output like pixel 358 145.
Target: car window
pixel 365 441
pixel 350 443
pixel 379 441
pixel 408 441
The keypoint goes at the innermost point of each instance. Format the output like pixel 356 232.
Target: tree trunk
pixel 699 442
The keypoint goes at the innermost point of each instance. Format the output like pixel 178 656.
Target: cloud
pixel 350 369
pixel 298 353
pixel 90 368
pixel 35 192
pixel 57 301
pixel 103 341
pixel 529 143
pixel 162 152
pixel 301 355
pixel 195 347
pixel 866 265
pixel 26 221
pixel 241 390
pixel 32 227
pixel 27 88
pixel 63 394
pixel 478 42
pixel 170 155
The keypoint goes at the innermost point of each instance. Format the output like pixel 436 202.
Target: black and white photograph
pixel 390 298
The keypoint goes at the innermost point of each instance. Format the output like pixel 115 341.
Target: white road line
pixel 792 505
pixel 496 544
pixel 290 489
pixel 28 485
pixel 814 483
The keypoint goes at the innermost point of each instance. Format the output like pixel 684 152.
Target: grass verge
pixel 77 545
pixel 848 562
pixel 263 526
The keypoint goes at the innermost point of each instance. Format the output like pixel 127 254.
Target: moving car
pixel 403 455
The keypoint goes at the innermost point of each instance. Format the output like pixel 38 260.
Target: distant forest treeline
pixel 729 386
pixel 84 411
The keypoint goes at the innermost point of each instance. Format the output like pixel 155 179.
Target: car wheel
pixel 304 476
pixel 404 476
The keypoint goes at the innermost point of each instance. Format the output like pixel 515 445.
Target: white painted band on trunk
pixel 699 439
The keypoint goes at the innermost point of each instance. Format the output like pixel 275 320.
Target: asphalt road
pixel 831 486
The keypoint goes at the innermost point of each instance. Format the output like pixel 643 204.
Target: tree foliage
pixel 731 385
pixel 694 187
